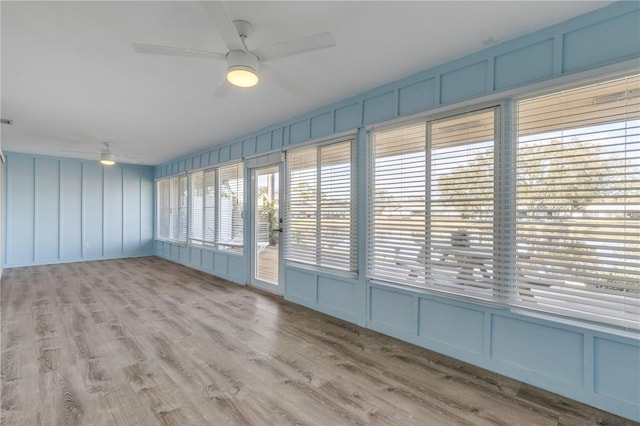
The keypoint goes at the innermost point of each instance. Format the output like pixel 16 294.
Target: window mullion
pixel 504 205
pixel 319 206
pixel 216 207
pixel 427 207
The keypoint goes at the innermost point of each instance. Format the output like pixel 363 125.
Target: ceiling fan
pixel 106 157
pixel 244 66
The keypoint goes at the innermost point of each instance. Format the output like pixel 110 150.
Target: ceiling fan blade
pixel 154 49
pixel 280 79
pixel 295 46
pixel 223 24
pixel 222 90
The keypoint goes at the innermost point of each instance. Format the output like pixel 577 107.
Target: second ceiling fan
pixel 244 66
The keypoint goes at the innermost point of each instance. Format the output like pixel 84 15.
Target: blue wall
pixel 64 210
pixel 228 265
pixel 596 365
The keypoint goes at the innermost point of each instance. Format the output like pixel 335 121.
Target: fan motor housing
pixel 241 58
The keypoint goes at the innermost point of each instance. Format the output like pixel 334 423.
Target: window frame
pixel 352 268
pixel 171 232
pixel 226 246
pixel 505 213
pixel 216 243
pixel 516 302
pixel 202 242
pixel 428 120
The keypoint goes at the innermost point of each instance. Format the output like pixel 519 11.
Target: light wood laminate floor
pixel 146 341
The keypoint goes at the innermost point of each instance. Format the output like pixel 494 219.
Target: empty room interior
pixel 320 212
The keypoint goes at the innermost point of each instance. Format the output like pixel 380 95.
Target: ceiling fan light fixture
pixel 242 76
pixel 242 68
pixel 107 158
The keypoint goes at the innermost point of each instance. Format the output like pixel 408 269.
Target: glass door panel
pixel 266 227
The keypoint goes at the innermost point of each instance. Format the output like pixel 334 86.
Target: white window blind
pixel 578 202
pixel 302 205
pixel 460 207
pixel 163 211
pixel 230 221
pixel 202 207
pixel 320 206
pixel 172 209
pixel 432 204
pixel 398 205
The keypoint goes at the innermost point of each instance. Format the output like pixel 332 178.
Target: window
pixel 171 208
pixel 562 233
pixel 202 207
pixel 431 212
pixel 578 202
pixel 320 206
pixel 216 207
pixel 230 223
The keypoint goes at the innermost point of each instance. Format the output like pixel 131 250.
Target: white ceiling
pixel 71 80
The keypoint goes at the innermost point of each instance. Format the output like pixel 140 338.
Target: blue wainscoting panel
pixel 221 264
pixel 301 286
pixel 599 43
pixel 146 211
pixel 174 252
pixel 464 83
pixel 236 151
pixel 530 63
pixel 131 199
pixel 207 260
pixel 263 143
pixel 204 160
pixel 47 210
pixel 71 210
pixel 380 107
pixel 416 97
pixel 299 132
pixel 348 117
pixel 224 154
pixel 20 205
pixel 184 255
pixel 337 295
pixel 277 138
pixel 464 326
pixel 113 212
pixel 248 147
pixel 195 257
pixel 236 271
pixel 617 370
pixel 393 310
pixel 322 125
pixel 214 156
pixel 92 194
pixel 518 342
pixel 195 162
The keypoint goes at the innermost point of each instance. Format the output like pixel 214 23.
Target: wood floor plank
pixel 144 341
